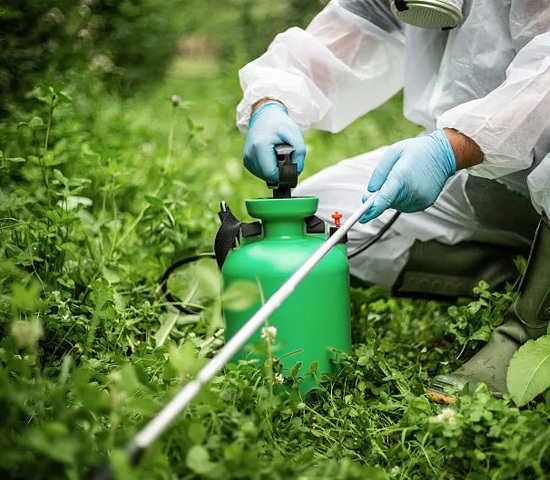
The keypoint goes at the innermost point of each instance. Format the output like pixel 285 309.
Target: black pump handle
pixel 288 171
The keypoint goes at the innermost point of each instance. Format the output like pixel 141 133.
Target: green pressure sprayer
pixel 303 274
pixel 315 319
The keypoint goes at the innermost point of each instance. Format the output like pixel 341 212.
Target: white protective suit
pixel 489 78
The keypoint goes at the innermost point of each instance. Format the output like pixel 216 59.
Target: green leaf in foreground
pixel 240 295
pixel 198 460
pixel 168 320
pixel 209 279
pixel 529 371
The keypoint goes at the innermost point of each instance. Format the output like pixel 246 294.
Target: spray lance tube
pixel 166 416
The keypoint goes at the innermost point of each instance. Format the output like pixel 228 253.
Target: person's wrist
pixel 262 101
pixel 466 151
pixel 263 106
pixel 446 160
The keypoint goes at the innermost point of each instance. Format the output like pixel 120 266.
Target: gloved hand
pixel 271 125
pixel 411 175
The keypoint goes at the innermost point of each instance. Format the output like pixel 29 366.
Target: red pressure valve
pixel 337 216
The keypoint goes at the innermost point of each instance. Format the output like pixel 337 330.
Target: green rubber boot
pixel 526 319
pixel 436 270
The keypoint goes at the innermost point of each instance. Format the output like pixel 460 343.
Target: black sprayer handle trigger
pixel 288 171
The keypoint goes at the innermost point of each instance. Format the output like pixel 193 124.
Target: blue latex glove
pixel 411 175
pixel 271 125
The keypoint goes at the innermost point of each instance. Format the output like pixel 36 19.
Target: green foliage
pixel 240 295
pixel 98 196
pixel 529 372
pixel 126 43
pixel 240 29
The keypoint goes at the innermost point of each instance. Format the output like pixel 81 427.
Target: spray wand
pixel 185 396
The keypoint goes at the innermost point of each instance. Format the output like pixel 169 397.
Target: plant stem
pixel 43 161
pixel 269 350
pixel 169 153
pixel 161 182
pixel 115 226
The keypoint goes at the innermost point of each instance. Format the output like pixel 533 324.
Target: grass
pixel 90 350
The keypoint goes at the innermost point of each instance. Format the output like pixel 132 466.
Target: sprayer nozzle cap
pixel 337 217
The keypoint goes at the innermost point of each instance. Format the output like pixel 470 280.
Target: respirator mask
pixel 434 14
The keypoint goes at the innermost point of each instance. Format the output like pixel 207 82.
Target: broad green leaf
pixel 209 279
pixel 198 460
pixel 234 452
pixel 184 358
pixel 296 369
pixel 126 380
pixel 121 465
pixel 529 371
pixel 52 440
pixel 240 295
pixel 36 122
pixel 110 274
pixel 64 97
pixel 51 161
pixel 214 318
pixel 168 320
pixel 521 264
pixel 482 333
pixel 375 473
pixel 156 202
pixel 197 433
pixel 59 176
pixel 58 87
pixel 313 367
pixel 65 369
pixel 24 297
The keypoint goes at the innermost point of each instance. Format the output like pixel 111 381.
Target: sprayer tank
pixel 315 319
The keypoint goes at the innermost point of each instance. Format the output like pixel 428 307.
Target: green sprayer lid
pixel 282 209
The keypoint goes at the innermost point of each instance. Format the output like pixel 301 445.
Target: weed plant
pixel 98 196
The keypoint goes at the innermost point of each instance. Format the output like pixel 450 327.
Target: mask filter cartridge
pixel 433 14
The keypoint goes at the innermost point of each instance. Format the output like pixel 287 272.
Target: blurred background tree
pixel 131 43
pixel 241 29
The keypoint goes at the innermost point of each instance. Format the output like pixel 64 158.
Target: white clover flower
pixel 447 415
pixel 279 378
pixel 395 470
pixel 269 334
pixel 146 148
pixel 102 62
pixel 54 16
pixel 27 333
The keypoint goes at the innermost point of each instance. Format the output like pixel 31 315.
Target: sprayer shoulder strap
pixel 314 224
pixel 231 228
pixel 228 234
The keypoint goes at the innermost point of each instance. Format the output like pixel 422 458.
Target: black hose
pixel 164 281
pixel 371 241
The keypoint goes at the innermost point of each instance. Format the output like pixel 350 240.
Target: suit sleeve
pixel 348 61
pixel 508 122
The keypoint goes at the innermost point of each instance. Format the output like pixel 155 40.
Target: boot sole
pixel 441 398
